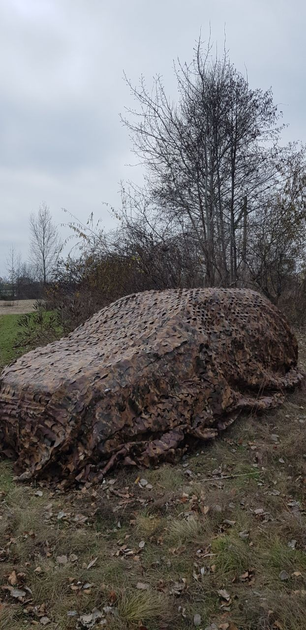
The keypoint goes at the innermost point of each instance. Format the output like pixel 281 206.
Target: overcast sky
pixel 62 90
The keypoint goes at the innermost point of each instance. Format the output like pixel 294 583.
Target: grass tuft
pixel 185 529
pixel 143 607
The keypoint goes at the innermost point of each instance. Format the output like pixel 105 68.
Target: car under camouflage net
pixel 143 380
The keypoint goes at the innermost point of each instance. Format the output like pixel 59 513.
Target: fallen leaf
pixel 142 586
pixel 284 576
pixel 292 544
pixel 80 518
pixel 61 559
pixel 244 576
pixel 86 620
pixel 224 595
pixel 92 563
pixel 17 593
pixel 197 620
pixel 12 578
pixel 178 587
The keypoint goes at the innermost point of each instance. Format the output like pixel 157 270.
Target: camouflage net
pixel 143 379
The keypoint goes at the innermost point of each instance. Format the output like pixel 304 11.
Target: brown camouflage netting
pixel 144 378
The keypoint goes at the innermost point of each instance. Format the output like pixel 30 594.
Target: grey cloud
pixel 58 141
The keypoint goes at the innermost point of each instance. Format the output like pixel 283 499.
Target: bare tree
pixel 13 265
pixel 45 243
pixel 276 247
pixel 211 159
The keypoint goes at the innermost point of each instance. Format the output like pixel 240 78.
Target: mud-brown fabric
pixel 142 379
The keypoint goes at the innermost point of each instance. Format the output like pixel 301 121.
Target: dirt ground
pixel 16 307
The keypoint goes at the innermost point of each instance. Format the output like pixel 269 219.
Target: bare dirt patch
pixel 16 307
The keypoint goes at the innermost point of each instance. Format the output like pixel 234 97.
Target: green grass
pixel 38 328
pixel 6 476
pixel 8 335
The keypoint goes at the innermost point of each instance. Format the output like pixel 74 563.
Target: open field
pixel 35 333
pixel 217 540
pixel 16 307
pixel 8 336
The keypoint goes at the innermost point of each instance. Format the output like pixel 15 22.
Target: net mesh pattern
pixel 143 379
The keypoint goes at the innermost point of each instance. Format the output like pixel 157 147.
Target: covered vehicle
pixel 143 379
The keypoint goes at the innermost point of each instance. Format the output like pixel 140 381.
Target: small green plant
pixel 38 328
